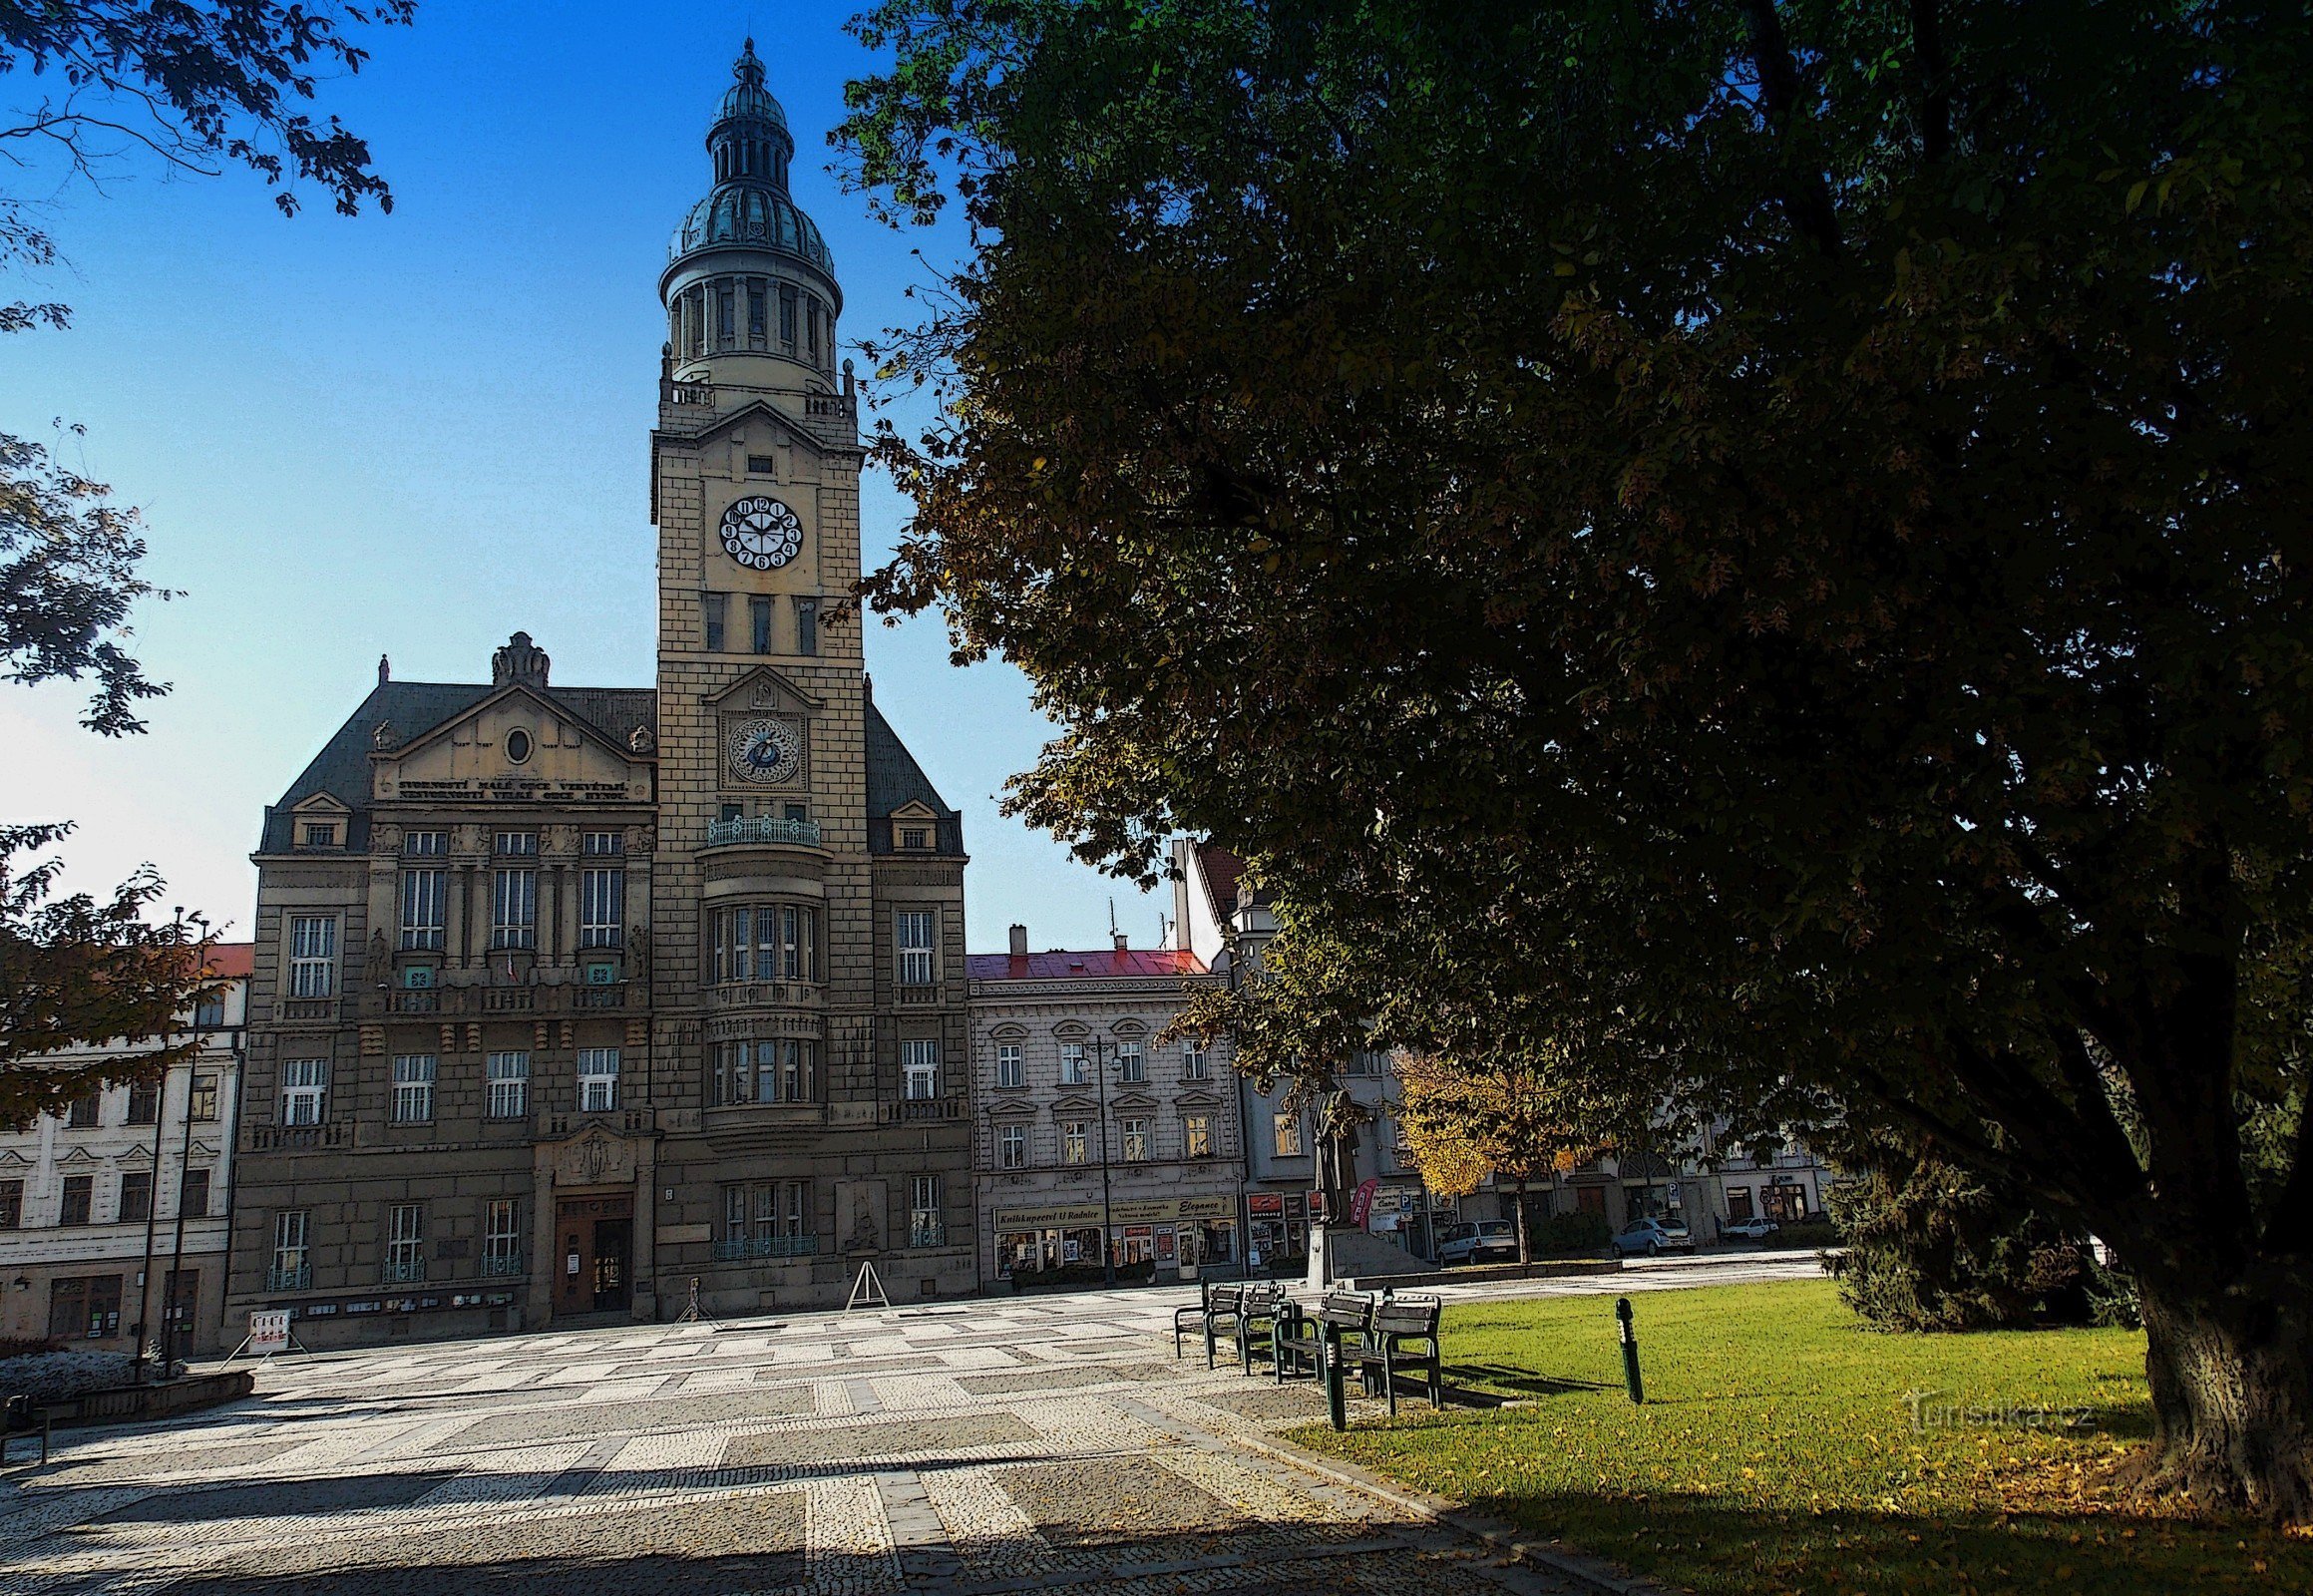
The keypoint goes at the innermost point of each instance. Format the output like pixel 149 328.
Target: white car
pixel 1748 1229
pixel 1471 1240
pixel 1653 1237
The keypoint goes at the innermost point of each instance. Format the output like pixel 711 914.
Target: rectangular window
pixel 1196 1135
pixel 1074 1142
pixel 919 1066
pixel 425 844
pixel 1011 1147
pixel 1072 1070
pixel 1287 1130
pixel 1135 1140
pixel 598 844
pixel 413 1089
pixel 84 1113
pixel 516 844
pixel 312 955
pixel 924 1225
pixel 813 329
pixel 1009 1069
pixel 807 626
pixel 425 901
pixel 11 1204
pixel 762 466
pixel 135 1196
pixel 602 908
pixel 726 327
pixel 209 1013
pixel 304 1092
pixel 915 942
pixel 1132 1063
pixel 759 623
pixel 513 909
pixel 289 1230
pixel 193 1194
pixel 914 836
pixel 598 1080
pixel 502 1237
pixel 405 1250
pixel 798 947
pixel 787 316
pixel 1196 1063
pixel 711 607
pixel 508 1077
pixel 757 316
pixel 321 835
pixel 144 1102
pixel 85 1307
pixel 79 1193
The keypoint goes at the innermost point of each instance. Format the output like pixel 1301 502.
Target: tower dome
pixel 748 273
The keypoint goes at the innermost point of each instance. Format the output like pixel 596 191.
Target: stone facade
pixel 85 1201
pixel 572 1002
pixel 1083 1118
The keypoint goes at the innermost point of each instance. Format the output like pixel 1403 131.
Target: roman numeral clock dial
pixel 761 533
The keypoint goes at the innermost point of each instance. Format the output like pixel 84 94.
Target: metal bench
pixel 1311 1342
pixel 1223 1306
pixel 21 1419
pixel 1190 1319
pixel 1401 1333
pixel 1260 1308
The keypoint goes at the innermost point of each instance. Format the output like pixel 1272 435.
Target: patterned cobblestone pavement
pixel 1010 1445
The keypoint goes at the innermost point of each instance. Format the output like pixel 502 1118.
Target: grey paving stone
pixel 850 1442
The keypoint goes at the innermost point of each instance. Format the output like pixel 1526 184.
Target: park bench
pixel 1309 1341
pixel 1401 1333
pixel 1222 1306
pixel 21 1419
pixel 1194 1317
pixel 1259 1310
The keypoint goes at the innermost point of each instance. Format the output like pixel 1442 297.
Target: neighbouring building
pixel 566 999
pixel 129 1173
pixel 1086 1124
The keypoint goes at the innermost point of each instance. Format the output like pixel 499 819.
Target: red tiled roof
pixel 1221 867
pixel 229 958
pixel 1102 964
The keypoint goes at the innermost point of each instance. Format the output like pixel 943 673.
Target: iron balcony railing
pixel 502 1263
pixel 299 1278
pixel 406 1270
pixel 762 828
pixel 928 1233
pixel 733 1249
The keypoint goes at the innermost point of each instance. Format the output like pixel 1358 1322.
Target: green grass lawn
pixel 1778 1452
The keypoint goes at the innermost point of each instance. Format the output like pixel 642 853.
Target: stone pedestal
pixel 1337 1254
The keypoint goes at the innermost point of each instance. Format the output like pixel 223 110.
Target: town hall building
pixel 566 999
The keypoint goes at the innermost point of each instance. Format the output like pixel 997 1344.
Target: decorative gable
pixel 517 744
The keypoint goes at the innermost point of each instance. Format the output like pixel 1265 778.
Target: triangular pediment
pixel 1137 1102
pixel 75 1155
pixel 321 803
pixel 915 809
pixel 1011 1108
pixel 1196 1100
pixel 10 1158
pixel 786 427
pixel 1075 1104
pixel 762 688
pixel 516 743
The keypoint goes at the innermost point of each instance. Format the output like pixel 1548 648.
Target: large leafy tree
pixel 1772 529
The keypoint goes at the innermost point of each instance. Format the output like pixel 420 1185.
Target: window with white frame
pixel 1196 1063
pixel 502 1237
pixel 1011 1147
pixel 769 1071
pixel 404 1251
pixel 425 844
pixel 509 1078
pixel 1131 1064
pixel 513 907
pixel 291 1228
pixel 304 1092
pixel 600 843
pixel 1288 1128
pixel 1072 1071
pixel 601 906
pixel 920 1069
pixel 598 1080
pixel 915 945
pixel 1075 1142
pixel 518 844
pixel 1010 1071
pixel 1196 1135
pixel 924 1225
pixel 1134 1134
pixel 425 905
pixel 413 1089
pixel 312 955
pixel 765 942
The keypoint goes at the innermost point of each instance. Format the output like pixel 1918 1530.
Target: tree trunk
pixel 2231 1365
pixel 1518 1210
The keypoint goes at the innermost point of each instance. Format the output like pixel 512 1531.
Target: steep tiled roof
pixel 895 780
pixel 1102 964
pixel 232 958
pixel 414 708
pixel 1220 867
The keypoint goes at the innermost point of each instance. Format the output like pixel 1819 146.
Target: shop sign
pixel 1060 1216
pixel 1266 1202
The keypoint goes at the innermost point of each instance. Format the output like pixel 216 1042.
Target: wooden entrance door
pixel 595 1244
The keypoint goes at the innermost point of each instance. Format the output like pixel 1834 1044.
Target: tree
pixel 1463 1125
pixel 76 972
pixel 197 85
pixel 1771 530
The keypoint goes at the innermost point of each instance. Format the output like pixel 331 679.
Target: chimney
pixel 1020 942
pixel 1119 936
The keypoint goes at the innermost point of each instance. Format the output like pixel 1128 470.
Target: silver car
pixel 1653 1237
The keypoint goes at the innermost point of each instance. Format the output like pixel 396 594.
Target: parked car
pixel 1653 1237
pixel 1754 1229
pixel 1472 1240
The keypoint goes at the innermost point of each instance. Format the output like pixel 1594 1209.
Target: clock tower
pixel 806 925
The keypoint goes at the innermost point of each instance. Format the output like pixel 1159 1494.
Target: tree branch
pixel 1808 200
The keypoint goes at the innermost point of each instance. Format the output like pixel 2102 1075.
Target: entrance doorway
pixel 597 1248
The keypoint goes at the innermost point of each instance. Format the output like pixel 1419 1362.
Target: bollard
pixel 1621 1310
pixel 1336 1399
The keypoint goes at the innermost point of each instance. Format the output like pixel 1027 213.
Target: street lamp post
pixel 1107 1228
pixel 183 1168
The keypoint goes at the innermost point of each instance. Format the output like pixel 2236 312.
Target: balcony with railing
pixel 297 1276
pixel 763 829
pixel 500 998
pixel 737 1249
pixel 502 1263
pixel 927 1230
pixel 404 1271
pixel 923 1110
pixel 298 1138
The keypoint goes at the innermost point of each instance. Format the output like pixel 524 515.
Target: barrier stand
pixel 270 1331
pixel 694 1314
pixel 867 1289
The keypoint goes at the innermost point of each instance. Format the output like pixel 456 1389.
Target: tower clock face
pixel 761 533
pixel 765 750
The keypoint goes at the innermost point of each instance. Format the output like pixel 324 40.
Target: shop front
pixel 1279 1226
pixel 1175 1235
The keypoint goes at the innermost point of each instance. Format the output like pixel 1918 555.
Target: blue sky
pixel 413 433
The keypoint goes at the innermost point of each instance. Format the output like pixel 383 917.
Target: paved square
pixel 1027 1444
